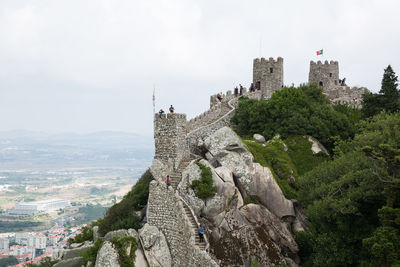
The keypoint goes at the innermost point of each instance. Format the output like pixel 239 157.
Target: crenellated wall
pixel 324 74
pixel 268 75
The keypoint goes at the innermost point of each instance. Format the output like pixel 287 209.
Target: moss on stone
pixel 122 244
pixel 286 166
pixel 91 253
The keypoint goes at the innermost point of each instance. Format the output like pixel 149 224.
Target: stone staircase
pixel 201 245
pixel 176 177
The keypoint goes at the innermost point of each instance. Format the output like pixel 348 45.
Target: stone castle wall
pixel 268 74
pixel 165 211
pixel 204 118
pixel 169 137
pixel 324 74
pixel 346 95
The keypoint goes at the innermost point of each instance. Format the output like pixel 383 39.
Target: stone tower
pixel 170 138
pixel 268 75
pixel 325 75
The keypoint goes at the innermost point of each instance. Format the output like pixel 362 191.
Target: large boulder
pixel 140 259
pixel 121 233
pixel 251 177
pixel 259 138
pixel 252 233
pixel 155 246
pixel 107 256
pixel 316 146
pixel 77 251
pixel 265 187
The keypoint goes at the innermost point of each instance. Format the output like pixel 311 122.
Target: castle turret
pixel 170 138
pixel 268 75
pixel 324 74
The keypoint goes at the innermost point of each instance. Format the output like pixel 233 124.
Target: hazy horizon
pixel 81 67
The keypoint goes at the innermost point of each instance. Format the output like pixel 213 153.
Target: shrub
pixel 91 253
pixel 204 187
pixel 121 245
pixel 123 214
pixel 85 235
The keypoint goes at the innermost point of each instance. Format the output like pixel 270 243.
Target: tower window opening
pixel 271 70
pixel 330 74
pixel 321 84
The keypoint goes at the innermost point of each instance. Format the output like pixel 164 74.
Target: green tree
pixel 388 98
pixel 353 201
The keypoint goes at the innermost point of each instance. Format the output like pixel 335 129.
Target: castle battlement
pixel 270 60
pixel 170 138
pixel 268 75
pixel 332 62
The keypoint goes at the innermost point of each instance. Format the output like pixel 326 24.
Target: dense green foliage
pixel 90 213
pixel 294 111
pixel 388 98
pixel 91 253
pixel 122 215
pixel 204 187
pixel 122 244
pixel 353 202
pixel 10 260
pixel 287 165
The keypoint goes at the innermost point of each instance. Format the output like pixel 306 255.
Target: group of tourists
pixel 171 110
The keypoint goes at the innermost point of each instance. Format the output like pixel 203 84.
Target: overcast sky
pixel 84 66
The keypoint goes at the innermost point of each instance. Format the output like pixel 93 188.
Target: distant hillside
pixel 21 149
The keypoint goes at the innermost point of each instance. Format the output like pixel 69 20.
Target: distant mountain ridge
pixel 21 148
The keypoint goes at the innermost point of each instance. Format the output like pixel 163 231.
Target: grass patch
pixel 122 244
pixel 286 166
pixel 204 187
pixel 278 161
pixel 301 154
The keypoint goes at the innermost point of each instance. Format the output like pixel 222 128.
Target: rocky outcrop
pixel 254 179
pixel 155 246
pixel 107 256
pixel 250 234
pixel 121 233
pixel 77 250
pixel 317 147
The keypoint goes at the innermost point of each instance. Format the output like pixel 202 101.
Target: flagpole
pixel 154 99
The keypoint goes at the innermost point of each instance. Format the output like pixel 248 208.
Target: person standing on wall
pixel 171 109
pixel 168 181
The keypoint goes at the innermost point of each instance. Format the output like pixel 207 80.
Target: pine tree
pixel 389 91
pixel 388 98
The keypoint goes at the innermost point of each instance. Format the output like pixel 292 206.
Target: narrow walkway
pixel 201 245
pixel 175 180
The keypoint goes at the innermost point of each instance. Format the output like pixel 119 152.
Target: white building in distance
pixel 30 208
pixel 4 244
